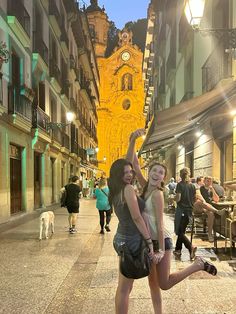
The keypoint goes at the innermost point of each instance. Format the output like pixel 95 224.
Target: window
pixel 127 82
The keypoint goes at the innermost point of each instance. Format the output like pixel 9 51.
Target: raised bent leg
pixel 167 280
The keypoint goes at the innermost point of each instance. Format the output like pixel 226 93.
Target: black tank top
pixel 126 224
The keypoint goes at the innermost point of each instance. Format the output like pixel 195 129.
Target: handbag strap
pixel 104 192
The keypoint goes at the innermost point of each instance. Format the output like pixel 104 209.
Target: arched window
pixel 127 82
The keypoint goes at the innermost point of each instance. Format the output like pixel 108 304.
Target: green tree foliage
pixel 112 40
pixel 139 29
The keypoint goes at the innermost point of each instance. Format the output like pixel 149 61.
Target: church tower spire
pixel 99 26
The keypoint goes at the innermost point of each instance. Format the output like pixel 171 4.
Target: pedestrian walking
pixel 91 187
pixel 102 204
pixel 131 228
pixel 160 277
pixel 85 185
pixel 185 198
pixel 72 202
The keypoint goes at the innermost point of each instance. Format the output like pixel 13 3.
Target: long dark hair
pixel 115 181
pixel 155 163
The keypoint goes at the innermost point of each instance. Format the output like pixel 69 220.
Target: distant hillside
pixel 139 29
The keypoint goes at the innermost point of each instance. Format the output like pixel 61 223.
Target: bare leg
pixel 155 290
pixel 70 220
pixel 210 222
pixel 209 207
pixel 74 218
pixel 123 290
pixel 168 280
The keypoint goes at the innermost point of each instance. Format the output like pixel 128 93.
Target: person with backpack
pixel 102 204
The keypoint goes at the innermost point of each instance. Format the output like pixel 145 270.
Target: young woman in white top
pixel 160 277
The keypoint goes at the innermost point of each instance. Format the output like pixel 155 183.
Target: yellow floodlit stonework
pixel 121 99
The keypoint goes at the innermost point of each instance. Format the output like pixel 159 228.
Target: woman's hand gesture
pixel 136 134
pixel 157 257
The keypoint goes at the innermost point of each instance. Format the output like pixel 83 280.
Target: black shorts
pixel 73 209
pixel 168 244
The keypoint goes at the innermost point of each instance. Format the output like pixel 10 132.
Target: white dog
pixel 46 219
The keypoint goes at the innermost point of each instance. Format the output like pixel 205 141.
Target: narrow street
pixel 78 273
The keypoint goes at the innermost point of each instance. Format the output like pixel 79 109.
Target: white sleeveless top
pixel 150 218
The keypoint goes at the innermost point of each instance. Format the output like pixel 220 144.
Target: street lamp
pixel 70 117
pixel 194 10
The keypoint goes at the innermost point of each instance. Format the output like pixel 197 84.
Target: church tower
pixel 99 26
pixel 121 100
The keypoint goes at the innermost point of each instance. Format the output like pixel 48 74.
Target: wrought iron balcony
pixel 215 68
pixel 19 104
pixel 40 47
pixel 40 118
pixel 55 71
pixel 83 154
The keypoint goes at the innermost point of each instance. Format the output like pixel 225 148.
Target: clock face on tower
pixel 125 56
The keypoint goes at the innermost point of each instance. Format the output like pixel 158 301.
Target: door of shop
pixel 15 180
pixel 37 180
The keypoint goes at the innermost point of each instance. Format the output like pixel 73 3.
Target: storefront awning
pixel 170 124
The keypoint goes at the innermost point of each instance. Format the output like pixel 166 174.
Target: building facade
pixel 51 71
pixel 121 89
pixel 190 89
pixel 121 100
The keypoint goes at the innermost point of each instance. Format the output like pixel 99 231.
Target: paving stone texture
pixel 78 273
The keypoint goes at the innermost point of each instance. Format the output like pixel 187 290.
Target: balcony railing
pixel 215 68
pixel 65 140
pixel 40 118
pixel 40 47
pixel 83 154
pixel 65 88
pixel 57 135
pixel 17 9
pixel 55 71
pixel 74 148
pixel 18 103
